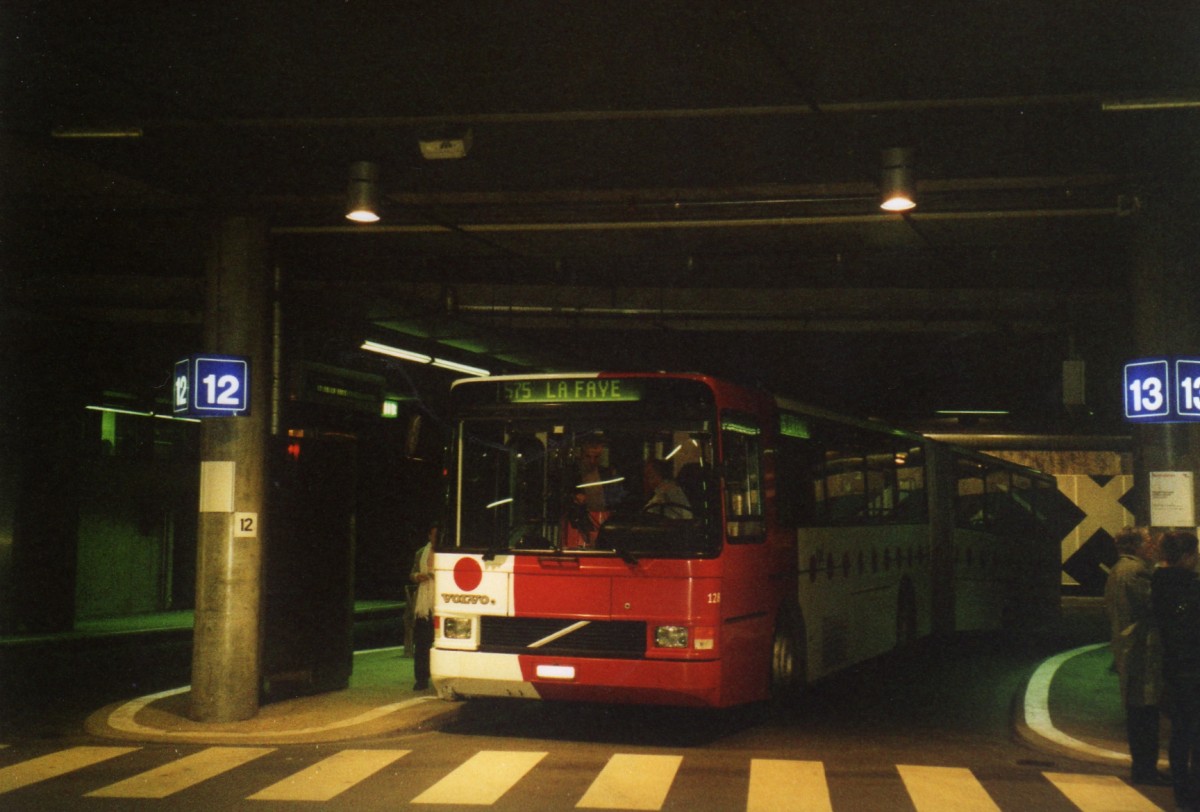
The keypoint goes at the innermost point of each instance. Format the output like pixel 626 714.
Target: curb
pixel 1034 725
pixel 162 717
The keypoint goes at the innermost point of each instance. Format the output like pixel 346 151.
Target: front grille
pixel 625 639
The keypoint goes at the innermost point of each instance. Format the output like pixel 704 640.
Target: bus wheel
pixel 906 616
pixel 787 660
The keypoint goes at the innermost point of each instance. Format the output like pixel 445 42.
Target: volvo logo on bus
pixel 451 597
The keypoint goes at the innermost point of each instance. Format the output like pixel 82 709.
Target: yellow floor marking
pixel 945 789
pixel 331 776
pixel 778 786
pixel 481 779
pixel 1100 793
pixel 182 773
pixel 632 782
pixel 56 764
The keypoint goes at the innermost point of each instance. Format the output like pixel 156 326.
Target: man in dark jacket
pixel 1175 599
pixel 1136 654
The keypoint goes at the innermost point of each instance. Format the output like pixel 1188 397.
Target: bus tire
pixel 788 648
pixel 906 616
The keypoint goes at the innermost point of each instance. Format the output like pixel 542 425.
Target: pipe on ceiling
pixel 639 225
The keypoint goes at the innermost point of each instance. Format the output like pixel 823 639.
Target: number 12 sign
pixel 212 386
pixel 1162 390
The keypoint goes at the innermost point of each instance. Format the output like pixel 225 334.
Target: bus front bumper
pixel 467 674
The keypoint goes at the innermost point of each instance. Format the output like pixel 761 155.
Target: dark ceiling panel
pixel 626 146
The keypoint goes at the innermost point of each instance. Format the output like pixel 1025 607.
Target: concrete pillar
pixel 940 479
pixel 226 658
pixel 1166 321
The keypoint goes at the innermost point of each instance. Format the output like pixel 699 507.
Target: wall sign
pixel 245 525
pixel 1162 390
pixel 212 386
pixel 1172 499
pixel 1187 384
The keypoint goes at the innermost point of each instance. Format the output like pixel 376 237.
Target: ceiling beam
pixel 865 310
pixel 705 223
pixel 1082 100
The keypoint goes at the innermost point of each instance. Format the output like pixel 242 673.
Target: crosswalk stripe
pixel 945 789
pixel 330 777
pixel 1100 793
pixel 632 782
pixel 56 764
pixel 778 786
pixel 182 773
pixel 481 779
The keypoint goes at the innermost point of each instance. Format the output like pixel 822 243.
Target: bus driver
pixel 667 499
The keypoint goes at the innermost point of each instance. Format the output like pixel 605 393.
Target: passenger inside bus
pixel 594 496
pixel 667 498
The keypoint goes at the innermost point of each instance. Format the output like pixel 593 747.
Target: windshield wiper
pixel 626 556
pixel 621 553
pixel 493 546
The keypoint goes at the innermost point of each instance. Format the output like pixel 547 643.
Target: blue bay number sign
pixel 212 386
pixel 1162 390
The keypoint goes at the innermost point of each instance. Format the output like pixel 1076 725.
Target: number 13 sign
pixel 212 386
pixel 1162 390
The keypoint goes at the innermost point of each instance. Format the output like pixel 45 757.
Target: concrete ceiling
pixel 649 184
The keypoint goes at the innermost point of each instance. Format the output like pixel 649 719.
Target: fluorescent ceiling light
pixel 135 413
pixel 396 352
pixel 96 132
pixel 422 358
pixel 970 411
pixel 466 369
pixel 1120 105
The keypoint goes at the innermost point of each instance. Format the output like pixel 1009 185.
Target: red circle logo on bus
pixel 467 574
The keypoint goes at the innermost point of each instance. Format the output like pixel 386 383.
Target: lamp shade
pixel 362 193
pixel 897 181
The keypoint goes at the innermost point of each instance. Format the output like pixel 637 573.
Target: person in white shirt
pixel 667 499
pixel 422 609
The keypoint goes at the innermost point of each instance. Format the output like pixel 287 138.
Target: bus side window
pixel 743 484
pixel 794 466
pixel 845 486
pixel 969 507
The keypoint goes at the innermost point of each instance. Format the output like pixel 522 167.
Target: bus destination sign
pixel 569 390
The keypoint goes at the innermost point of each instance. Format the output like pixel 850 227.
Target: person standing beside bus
pixel 1135 649
pixel 1175 601
pixel 422 610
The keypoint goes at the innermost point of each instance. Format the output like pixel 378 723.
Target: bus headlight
pixel 456 628
pixel 671 636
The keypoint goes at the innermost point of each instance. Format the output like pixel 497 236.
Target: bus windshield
pixel 625 487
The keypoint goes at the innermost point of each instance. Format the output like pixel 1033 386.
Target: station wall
pixel 1100 485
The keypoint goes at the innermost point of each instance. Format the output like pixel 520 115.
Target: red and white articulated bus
pixel 674 539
